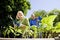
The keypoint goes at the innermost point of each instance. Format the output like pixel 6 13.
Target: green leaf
pixel 8 8
pixel 58 31
pixel 19 31
pixel 12 30
pixel 16 34
pixel 48 21
pixel 57 25
pixel 4 32
pixel 34 28
pixel 8 32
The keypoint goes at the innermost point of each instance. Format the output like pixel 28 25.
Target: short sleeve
pixel 30 21
pixel 40 18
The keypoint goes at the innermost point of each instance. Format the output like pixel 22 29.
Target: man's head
pixel 33 16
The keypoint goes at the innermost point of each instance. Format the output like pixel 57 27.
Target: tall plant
pixel 47 24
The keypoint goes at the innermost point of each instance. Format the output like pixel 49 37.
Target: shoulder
pixel 25 19
pixel 39 17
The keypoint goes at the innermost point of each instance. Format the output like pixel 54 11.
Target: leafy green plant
pixel 47 24
pixel 57 28
pixel 34 29
pixel 46 28
pixel 11 30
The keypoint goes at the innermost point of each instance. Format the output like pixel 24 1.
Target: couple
pixel 22 21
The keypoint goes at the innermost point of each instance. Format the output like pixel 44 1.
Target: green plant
pixel 11 30
pixel 57 28
pixel 34 29
pixel 46 28
pixel 11 7
pixel 47 24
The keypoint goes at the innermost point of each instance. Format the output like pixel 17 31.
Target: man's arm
pixel 40 18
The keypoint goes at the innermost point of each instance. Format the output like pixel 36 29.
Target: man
pixel 34 20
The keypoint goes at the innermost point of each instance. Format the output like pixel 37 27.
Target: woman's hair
pixel 20 13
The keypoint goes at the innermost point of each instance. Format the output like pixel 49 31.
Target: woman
pixel 20 20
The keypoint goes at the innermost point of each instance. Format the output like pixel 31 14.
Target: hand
pixel 23 27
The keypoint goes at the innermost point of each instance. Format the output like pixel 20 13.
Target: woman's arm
pixel 26 22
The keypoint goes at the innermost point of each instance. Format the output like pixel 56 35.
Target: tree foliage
pixel 41 13
pixel 55 12
pixel 10 7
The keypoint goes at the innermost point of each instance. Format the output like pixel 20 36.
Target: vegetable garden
pixel 46 28
pixel 49 26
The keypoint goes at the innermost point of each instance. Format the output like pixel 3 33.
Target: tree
pixel 10 7
pixel 41 13
pixel 55 12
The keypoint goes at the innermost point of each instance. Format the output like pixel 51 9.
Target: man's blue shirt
pixel 35 21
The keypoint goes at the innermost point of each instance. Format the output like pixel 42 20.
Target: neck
pixel 21 19
pixel 33 18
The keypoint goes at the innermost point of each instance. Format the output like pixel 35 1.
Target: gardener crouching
pixel 20 20
pixel 35 21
